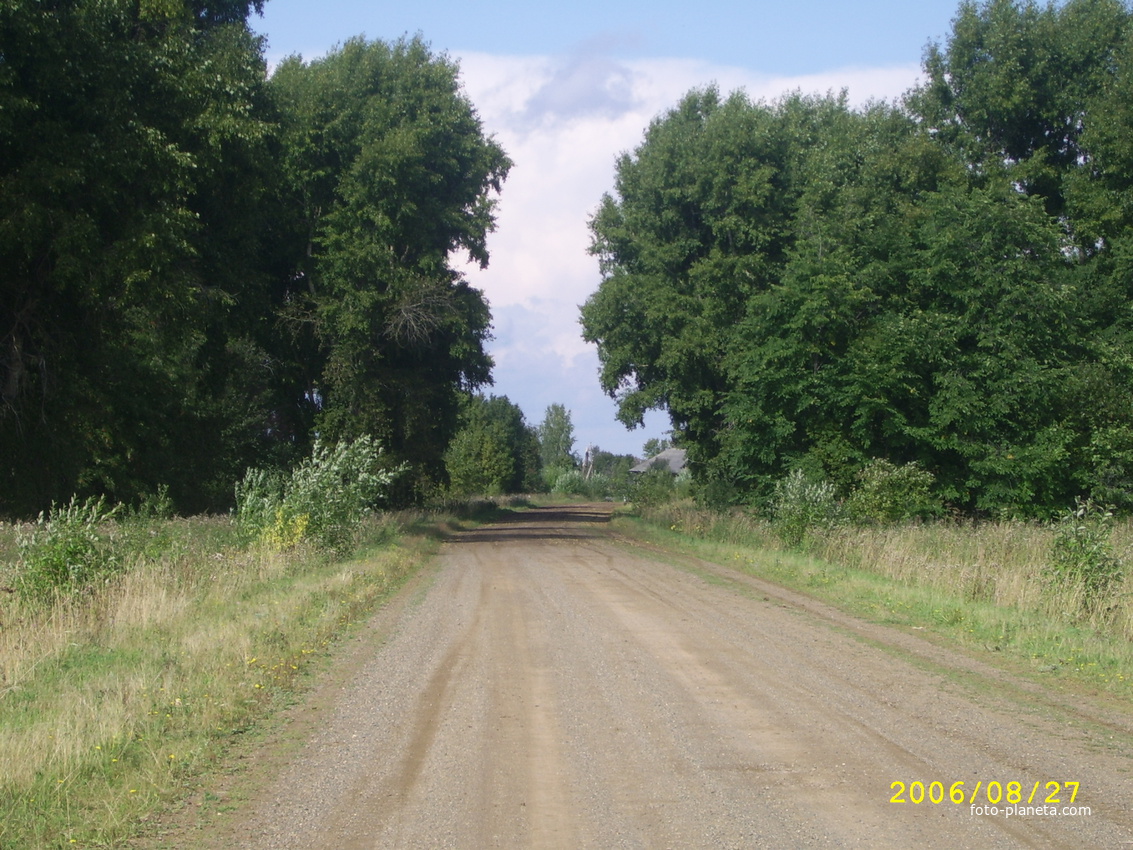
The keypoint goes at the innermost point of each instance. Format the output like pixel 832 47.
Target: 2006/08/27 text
pixel 993 792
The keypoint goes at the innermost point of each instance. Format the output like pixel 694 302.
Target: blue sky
pixel 565 88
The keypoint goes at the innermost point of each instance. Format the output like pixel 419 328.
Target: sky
pixel 565 89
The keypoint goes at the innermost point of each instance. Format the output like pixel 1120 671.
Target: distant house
pixel 671 459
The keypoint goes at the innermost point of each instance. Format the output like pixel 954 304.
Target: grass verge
pixel 982 588
pixel 112 702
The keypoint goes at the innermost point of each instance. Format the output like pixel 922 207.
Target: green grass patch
pixel 115 701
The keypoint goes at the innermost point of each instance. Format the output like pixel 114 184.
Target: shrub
pixel 653 487
pixel 887 493
pixel 67 549
pixel 551 474
pixel 1081 555
pixel 801 504
pixel 259 498
pixel 323 499
pixel 597 487
pixel 569 482
pixel 155 505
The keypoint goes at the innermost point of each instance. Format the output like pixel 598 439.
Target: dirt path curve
pixel 549 686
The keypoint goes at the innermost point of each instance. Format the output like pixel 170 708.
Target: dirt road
pixel 547 685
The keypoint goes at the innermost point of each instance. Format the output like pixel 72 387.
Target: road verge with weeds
pixel 989 587
pixel 116 696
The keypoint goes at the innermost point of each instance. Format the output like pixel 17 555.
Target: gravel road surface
pixel 549 685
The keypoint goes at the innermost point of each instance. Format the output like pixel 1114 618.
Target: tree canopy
pixel 202 268
pixel 133 155
pixel 389 176
pixel 556 439
pixel 495 451
pixel 941 281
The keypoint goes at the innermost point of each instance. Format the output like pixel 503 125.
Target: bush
pixel 67 549
pixel 887 493
pixel 653 487
pixel 569 482
pixel 1081 555
pixel 801 504
pixel 323 499
pixel 259 498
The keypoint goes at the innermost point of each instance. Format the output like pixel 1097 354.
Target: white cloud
pixel 563 121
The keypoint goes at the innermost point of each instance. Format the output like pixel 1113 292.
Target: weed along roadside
pixel 122 688
pixel 1051 600
pixel 133 686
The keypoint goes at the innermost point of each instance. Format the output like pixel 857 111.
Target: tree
pixel 808 287
pixel 556 439
pixel 1016 86
pixel 391 174
pixel 711 210
pixel 495 451
pixel 200 270
pixel 132 147
pixel 699 202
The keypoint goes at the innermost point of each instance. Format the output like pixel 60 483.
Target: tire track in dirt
pixel 556 689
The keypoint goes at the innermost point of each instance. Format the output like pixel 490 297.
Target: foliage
pixel 569 482
pixel 887 494
pixel 611 472
pixel 478 461
pixel 1015 85
pixel 154 505
pixel 942 282
pixel 133 156
pixel 556 439
pixel 390 175
pixel 495 451
pixel 323 499
pixel 658 485
pixel 201 268
pixel 802 504
pixel 1082 557
pixel 68 549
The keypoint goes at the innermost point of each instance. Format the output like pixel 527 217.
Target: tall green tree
pixel 804 285
pixel 701 201
pixel 391 176
pixel 1014 89
pixel 495 451
pixel 556 439
pixel 132 150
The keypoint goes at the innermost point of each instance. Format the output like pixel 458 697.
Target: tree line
pixel 942 281
pixel 202 268
pixel 496 451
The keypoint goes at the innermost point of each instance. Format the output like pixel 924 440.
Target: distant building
pixel 671 459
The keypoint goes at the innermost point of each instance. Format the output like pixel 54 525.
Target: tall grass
pixel 1005 563
pixel 992 580
pixel 113 698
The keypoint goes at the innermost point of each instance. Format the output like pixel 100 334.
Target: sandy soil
pixel 548 685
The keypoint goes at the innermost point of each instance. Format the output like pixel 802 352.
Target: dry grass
pixel 1002 565
pixel 111 701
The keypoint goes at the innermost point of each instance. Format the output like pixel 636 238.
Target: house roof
pixel 672 459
